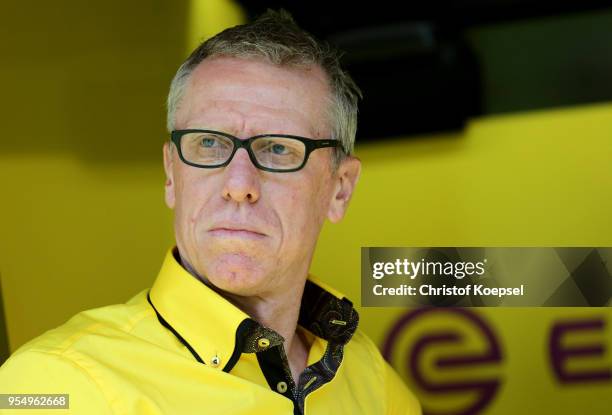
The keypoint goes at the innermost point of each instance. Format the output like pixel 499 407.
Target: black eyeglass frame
pixel 310 145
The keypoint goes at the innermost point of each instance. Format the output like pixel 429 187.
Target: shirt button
pixel 263 343
pixel 281 387
pixel 215 361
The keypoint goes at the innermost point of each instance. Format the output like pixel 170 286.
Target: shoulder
pixel 71 358
pixel 363 355
pixel 39 372
pixel 91 325
pixel 68 358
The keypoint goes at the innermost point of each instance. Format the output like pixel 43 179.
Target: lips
pixel 235 230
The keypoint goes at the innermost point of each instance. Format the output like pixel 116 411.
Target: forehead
pixel 246 96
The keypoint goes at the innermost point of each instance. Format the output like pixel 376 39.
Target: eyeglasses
pixel 269 152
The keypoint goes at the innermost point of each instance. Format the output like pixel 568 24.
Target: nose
pixel 241 179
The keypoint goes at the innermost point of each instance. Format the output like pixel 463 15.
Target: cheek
pixel 191 198
pixel 306 208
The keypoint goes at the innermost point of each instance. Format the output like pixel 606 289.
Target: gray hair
pixel 276 38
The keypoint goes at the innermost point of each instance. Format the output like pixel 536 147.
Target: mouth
pixel 225 232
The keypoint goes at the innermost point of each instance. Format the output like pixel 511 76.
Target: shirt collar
pixel 217 332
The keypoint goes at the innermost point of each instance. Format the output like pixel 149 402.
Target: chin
pixel 237 274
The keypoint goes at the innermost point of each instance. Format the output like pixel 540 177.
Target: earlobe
pixel 345 182
pixel 168 168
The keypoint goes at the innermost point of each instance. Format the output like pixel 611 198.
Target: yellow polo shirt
pixel 181 348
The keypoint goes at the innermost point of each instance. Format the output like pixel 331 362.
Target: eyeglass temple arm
pixel 328 143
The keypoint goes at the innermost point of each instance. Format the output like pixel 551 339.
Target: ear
pixel 345 180
pixel 169 151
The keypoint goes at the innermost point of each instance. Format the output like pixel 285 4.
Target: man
pixel 262 121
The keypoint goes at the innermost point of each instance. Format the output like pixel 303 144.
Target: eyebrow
pixel 214 128
pixel 310 134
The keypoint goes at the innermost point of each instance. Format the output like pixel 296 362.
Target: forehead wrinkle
pixel 241 119
pixel 251 92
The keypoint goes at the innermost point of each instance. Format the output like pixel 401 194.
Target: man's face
pixel 246 230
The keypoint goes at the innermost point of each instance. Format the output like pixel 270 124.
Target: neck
pixel 278 311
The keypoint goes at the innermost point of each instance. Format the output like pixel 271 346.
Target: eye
pixel 209 142
pixel 278 149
